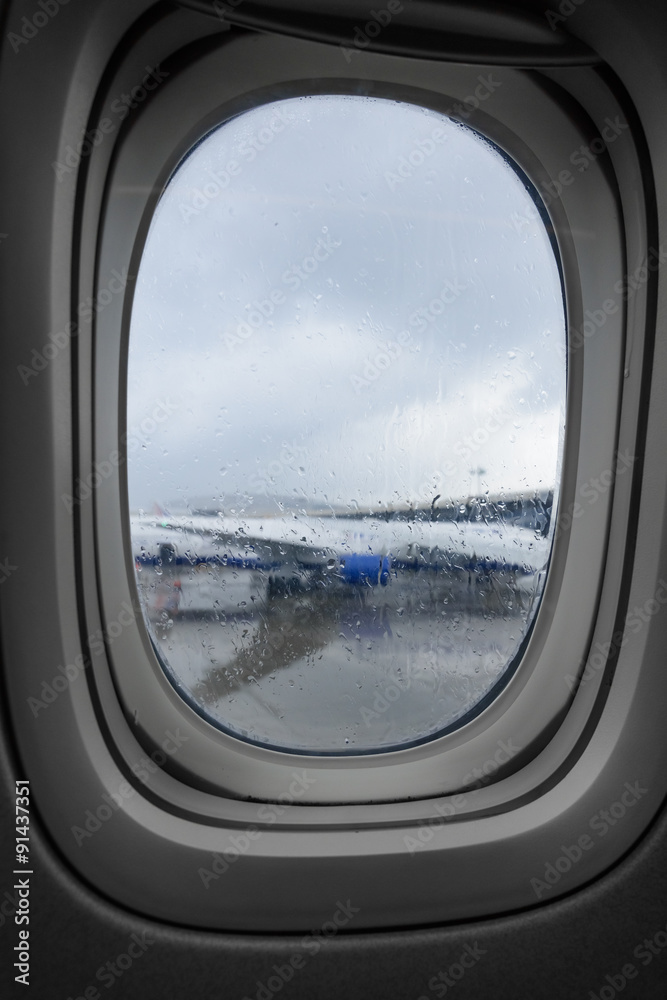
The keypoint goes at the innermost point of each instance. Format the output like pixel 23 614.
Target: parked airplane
pixel 257 556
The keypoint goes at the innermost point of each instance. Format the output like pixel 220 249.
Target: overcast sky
pixel 317 214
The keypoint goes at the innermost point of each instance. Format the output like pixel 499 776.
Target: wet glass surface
pixel 345 416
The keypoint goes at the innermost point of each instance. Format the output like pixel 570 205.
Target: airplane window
pixel 346 398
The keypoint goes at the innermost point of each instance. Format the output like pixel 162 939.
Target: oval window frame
pixel 535 700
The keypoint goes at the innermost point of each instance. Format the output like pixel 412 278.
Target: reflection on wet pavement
pixel 348 668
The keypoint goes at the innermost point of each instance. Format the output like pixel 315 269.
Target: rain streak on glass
pixel 346 405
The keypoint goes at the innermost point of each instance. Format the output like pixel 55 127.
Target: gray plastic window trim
pixel 487 843
pixel 528 707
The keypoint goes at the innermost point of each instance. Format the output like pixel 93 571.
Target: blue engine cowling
pixel 369 570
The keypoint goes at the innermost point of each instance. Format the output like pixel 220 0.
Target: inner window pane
pixel 346 398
